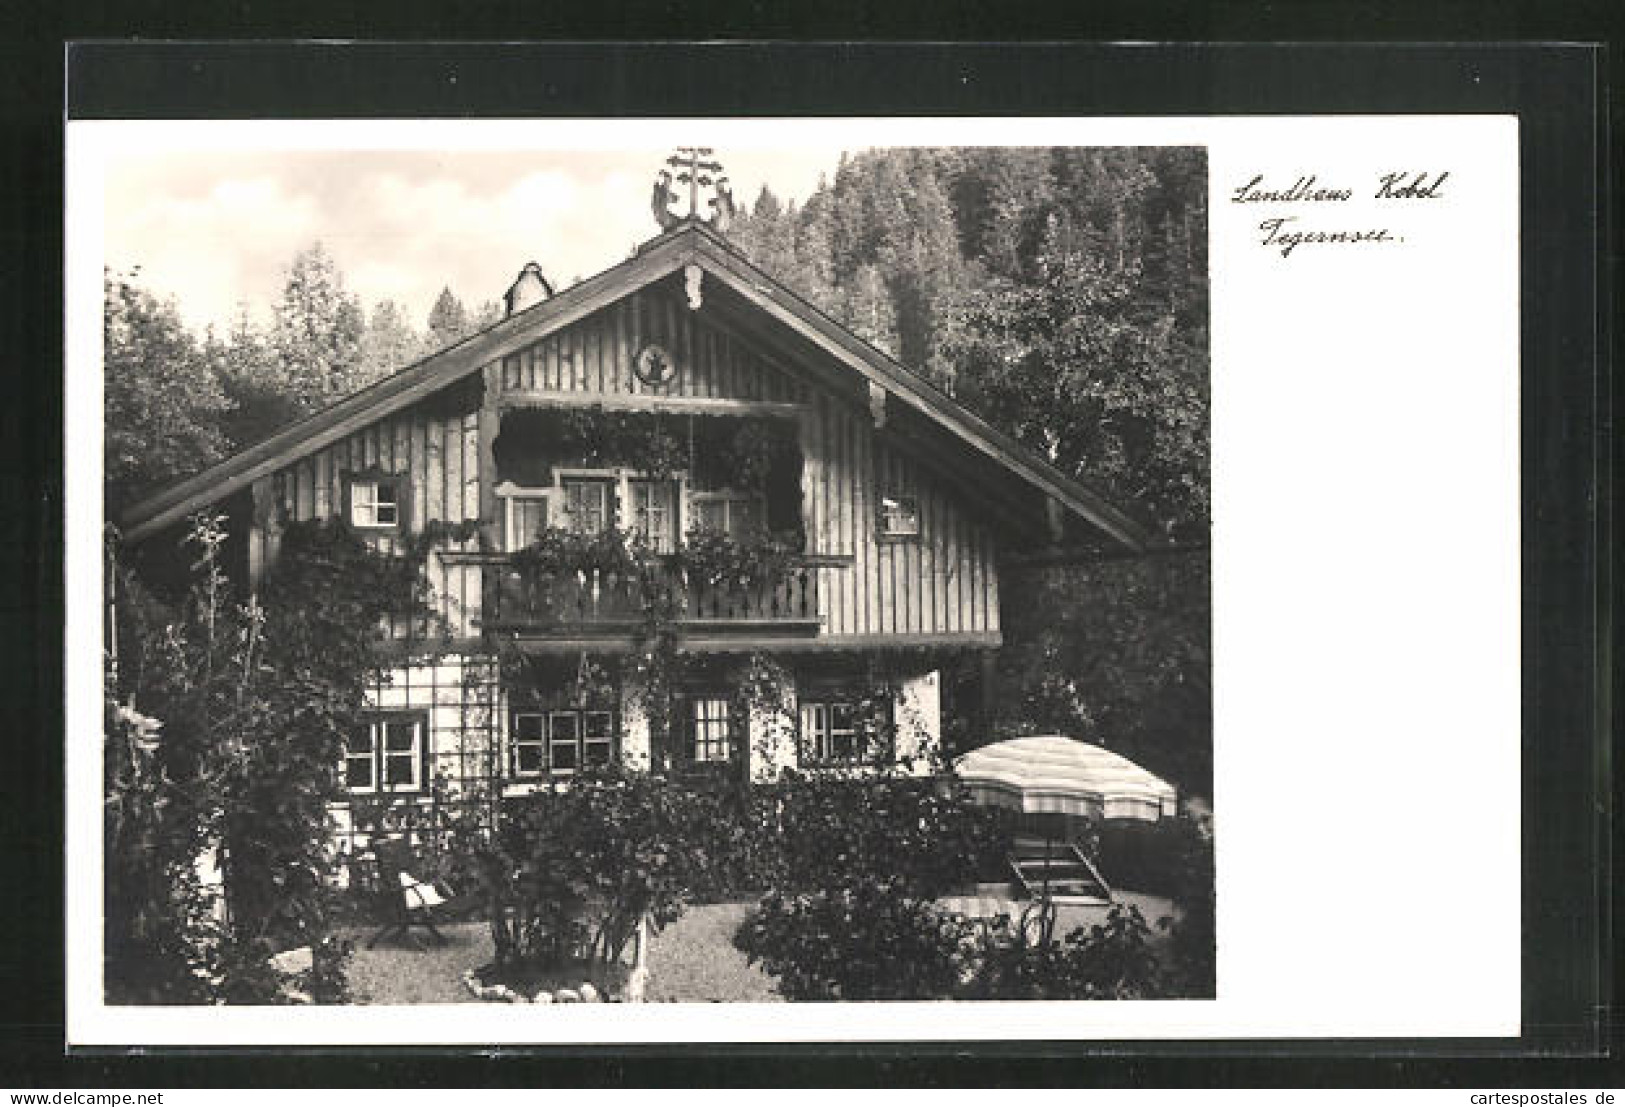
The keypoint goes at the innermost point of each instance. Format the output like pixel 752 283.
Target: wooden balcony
pixel 572 606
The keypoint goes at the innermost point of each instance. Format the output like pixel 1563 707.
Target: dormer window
pixel 375 502
pixel 899 517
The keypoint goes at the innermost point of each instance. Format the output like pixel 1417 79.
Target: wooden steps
pixel 1059 866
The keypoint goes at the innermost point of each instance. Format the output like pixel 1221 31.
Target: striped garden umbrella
pixel 1051 774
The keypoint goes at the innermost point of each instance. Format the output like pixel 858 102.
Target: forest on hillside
pixel 1061 292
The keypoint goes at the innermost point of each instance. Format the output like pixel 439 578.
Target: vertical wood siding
pixel 596 355
pixel 943 582
pixel 438 454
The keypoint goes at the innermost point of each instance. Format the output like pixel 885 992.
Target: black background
pixel 1566 404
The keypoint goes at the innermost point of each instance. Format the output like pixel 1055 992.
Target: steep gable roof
pixel 690 243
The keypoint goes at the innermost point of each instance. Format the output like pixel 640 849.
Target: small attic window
pixel 899 517
pixel 375 502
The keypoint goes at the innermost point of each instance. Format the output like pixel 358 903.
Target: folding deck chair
pixel 403 899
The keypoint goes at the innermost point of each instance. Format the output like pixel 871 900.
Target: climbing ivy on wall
pixel 750 454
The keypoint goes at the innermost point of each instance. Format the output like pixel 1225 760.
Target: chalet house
pixel 679 395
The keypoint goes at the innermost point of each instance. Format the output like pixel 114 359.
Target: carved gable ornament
pixel 694 169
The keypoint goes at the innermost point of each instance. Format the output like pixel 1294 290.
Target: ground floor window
pixel 386 754
pixel 561 740
pixel 841 730
pixel 708 727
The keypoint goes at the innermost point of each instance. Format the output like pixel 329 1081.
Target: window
pixel 829 731
pixel 710 728
pixel 836 731
pixel 375 502
pixel 386 755
pixel 525 517
pixel 736 515
pixel 560 741
pixel 654 512
pixel 528 731
pixel 589 505
pixel 899 517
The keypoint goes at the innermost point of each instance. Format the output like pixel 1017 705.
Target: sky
pixel 215 228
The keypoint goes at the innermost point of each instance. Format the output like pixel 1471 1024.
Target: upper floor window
pixel 524 515
pixel 899 517
pixel 654 512
pixel 375 502
pixel 735 514
pixel 589 504
pixel 387 754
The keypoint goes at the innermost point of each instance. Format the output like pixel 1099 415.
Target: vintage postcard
pixel 793 580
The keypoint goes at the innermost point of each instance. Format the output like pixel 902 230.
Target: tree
pixel 161 392
pixel 253 704
pixel 448 321
pixel 253 379
pixel 767 234
pixel 489 314
pixel 316 333
pixel 390 342
pixel 1079 370
pixel 1117 652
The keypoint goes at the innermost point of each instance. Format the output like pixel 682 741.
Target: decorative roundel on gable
pixel 654 365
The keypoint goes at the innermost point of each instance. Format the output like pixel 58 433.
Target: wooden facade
pixel 862 431
pixel 436 451
pixel 938 586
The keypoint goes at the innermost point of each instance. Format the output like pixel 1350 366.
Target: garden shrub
pixel 834 831
pixel 255 702
pixel 1109 960
pixel 576 868
pixel 1193 934
pixel 860 863
pixel 868 940
pixel 1145 856
pixel 873 940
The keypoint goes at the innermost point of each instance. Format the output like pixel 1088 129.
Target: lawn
pixel 694 960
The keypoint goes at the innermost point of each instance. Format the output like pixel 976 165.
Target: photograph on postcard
pixel 657 574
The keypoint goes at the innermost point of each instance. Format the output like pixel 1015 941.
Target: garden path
pixel 693 960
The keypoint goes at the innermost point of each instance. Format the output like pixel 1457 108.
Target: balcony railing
pixel 606 603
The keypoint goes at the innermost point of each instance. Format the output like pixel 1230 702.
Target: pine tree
pixel 488 314
pixel 390 343
pixel 253 378
pixel 448 321
pixel 316 332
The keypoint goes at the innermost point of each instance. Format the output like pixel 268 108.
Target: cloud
pixel 218 229
pixel 213 249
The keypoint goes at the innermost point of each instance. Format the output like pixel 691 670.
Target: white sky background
pixel 214 229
